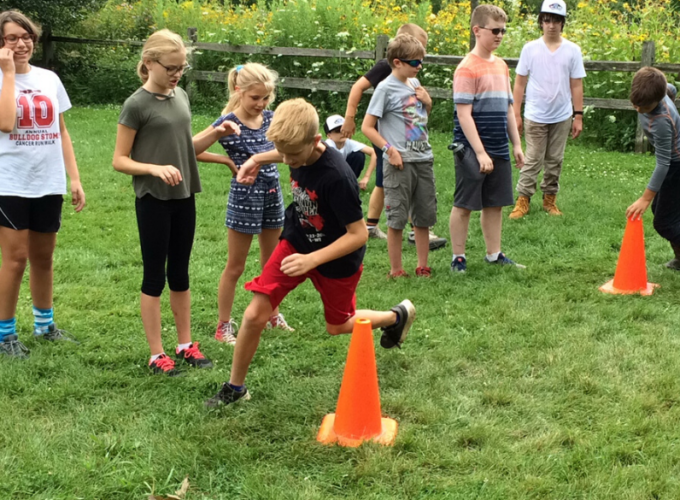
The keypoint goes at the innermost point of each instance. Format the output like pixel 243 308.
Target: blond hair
pixel 413 30
pixel 159 43
pixel 14 16
pixel 295 123
pixel 404 47
pixel 246 76
pixel 482 14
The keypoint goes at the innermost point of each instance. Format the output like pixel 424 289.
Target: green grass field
pixel 512 384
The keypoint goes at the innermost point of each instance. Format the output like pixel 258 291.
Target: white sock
pixel 156 356
pixel 181 347
pixel 492 257
pixel 455 256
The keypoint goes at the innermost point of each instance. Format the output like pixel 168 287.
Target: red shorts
pixel 337 294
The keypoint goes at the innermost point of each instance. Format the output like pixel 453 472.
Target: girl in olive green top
pixel 155 146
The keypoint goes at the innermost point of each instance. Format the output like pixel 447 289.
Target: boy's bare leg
pixel 376 203
pixel 394 242
pixel 458 226
pixel 422 235
pixel 492 224
pixel 254 320
pixel 379 319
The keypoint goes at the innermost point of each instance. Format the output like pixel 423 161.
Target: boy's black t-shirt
pixel 325 200
pixel 378 72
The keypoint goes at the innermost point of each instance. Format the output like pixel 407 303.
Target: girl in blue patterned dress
pixel 251 210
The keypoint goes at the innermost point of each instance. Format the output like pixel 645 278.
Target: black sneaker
pixel 436 242
pixel 54 334
pixel 11 347
pixel 164 365
pixel 192 356
pixel 394 335
pixel 673 264
pixel 227 395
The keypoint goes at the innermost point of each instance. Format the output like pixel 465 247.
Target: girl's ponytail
pixel 234 97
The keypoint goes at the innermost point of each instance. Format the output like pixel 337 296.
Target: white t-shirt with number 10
pixel 31 156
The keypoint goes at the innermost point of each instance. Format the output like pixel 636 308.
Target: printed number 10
pixel 36 114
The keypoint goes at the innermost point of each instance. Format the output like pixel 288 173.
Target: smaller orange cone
pixel 631 269
pixel 358 418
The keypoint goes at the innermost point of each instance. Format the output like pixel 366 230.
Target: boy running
pixel 324 239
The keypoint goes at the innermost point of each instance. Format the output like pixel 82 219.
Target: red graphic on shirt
pixel 35 111
pixel 307 207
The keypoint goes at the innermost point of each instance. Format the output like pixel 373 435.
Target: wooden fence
pixel 647 59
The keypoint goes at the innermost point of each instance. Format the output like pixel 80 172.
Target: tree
pixel 57 15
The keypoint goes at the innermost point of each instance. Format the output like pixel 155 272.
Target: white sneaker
pixel 226 332
pixel 376 233
pixel 279 322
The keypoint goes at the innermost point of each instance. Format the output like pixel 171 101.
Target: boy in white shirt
pixel 352 151
pixel 553 69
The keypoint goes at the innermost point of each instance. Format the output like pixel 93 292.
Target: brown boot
pixel 521 208
pixel 549 204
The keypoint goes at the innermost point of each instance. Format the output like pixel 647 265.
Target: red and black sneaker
pixel 165 365
pixel 194 357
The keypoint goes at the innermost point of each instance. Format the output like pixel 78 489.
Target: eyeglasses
pixel 173 70
pixel 495 31
pixel 26 37
pixel 414 63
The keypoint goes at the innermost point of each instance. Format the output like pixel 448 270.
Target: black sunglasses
pixel 495 31
pixel 412 62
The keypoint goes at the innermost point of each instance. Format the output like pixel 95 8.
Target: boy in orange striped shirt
pixel 484 120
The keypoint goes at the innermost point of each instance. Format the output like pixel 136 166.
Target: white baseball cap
pixel 333 122
pixel 557 7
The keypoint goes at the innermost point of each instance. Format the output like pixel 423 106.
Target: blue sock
pixel 43 318
pixel 237 388
pixel 7 327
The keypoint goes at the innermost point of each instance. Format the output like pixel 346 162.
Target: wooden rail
pixel 647 59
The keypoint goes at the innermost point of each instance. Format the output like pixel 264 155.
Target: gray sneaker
pixel 435 241
pixel 11 347
pixel 376 233
pixel 54 334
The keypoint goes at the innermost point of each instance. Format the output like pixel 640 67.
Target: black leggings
pixel 666 206
pixel 166 232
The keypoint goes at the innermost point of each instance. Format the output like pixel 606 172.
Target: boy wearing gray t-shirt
pixel 652 97
pixel 400 107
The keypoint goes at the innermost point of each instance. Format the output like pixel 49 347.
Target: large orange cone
pixel 631 269
pixel 358 418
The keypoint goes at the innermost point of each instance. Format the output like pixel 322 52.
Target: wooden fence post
pixel 192 36
pixel 381 47
pixel 647 59
pixel 473 6
pixel 47 48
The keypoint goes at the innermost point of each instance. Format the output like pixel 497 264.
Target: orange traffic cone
pixel 631 269
pixel 358 418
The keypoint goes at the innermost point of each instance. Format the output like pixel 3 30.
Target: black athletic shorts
pixel 42 215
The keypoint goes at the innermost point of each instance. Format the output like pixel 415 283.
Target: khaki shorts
pixel 410 192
